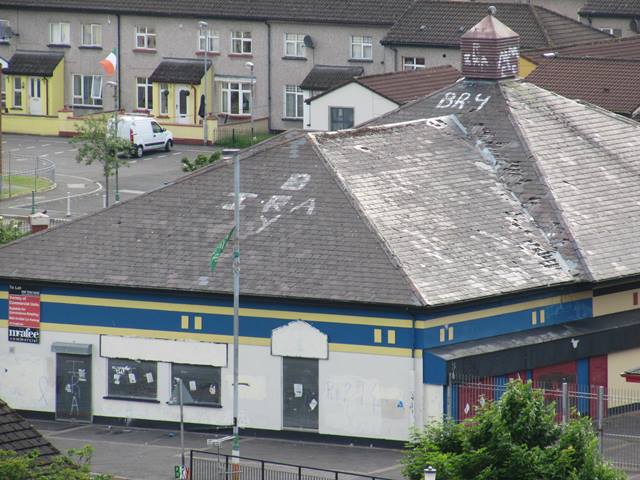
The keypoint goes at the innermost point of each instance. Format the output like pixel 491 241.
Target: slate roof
pixel 368 12
pixel 179 70
pixel 611 8
pixel 324 77
pixel 440 23
pixel 39 64
pixel 625 48
pixel 608 83
pixel 18 435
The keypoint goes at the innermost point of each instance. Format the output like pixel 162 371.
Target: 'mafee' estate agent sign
pixel 24 314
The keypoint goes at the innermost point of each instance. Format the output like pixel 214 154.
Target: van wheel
pixel 168 145
pixel 139 151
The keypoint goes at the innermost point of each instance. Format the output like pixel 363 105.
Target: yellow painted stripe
pixel 390 351
pixel 517 307
pixel 4 295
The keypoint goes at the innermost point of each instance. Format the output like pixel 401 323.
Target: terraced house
pixel 485 229
pixel 261 51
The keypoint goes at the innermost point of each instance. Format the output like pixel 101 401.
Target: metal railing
pixel 615 412
pixel 21 223
pixel 211 466
pixel 24 174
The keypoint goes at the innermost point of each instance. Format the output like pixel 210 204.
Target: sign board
pixel 24 314
pixel 181 472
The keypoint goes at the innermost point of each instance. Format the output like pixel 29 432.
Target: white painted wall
pixel 366 105
pixel 433 402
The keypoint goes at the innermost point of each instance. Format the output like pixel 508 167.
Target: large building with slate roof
pixel 486 229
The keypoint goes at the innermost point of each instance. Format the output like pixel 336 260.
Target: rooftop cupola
pixel 490 49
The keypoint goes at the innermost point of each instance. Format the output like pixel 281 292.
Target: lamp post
pixel 115 132
pixel 235 447
pixel 204 32
pixel 250 66
pixel 430 473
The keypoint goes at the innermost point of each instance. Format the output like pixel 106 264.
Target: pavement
pixel 85 183
pixel 151 454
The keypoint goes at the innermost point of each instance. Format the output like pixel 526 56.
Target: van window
pixel 156 128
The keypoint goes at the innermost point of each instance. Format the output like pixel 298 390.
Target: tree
pixel 75 466
pixel 514 437
pixel 200 161
pixel 99 143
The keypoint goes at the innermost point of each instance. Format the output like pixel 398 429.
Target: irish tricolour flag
pixel 110 63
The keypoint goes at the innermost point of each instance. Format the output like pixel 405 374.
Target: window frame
pixel 145 364
pixel 298 102
pixel 413 65
pixel 359 41
pixel 59 41
pixel 164 97
pixel 353 117
pixel 146 35
pixel 215 380
pixel 8 25
pixel 242 41
pixel 211 39
pixel 19 90
pixel 148 93
pixel 298 45
pixel 92 28
pixel 82 95
pixel 226 104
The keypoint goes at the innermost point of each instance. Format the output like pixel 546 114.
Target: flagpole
pixel 116 101
pixel 235 447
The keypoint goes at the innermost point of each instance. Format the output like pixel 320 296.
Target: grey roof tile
pixel 179 70
pixel 324 77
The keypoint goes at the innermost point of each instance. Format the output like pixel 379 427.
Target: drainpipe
pixel 195 105
pixel 119 62
pixel 46 92
pixel 268 73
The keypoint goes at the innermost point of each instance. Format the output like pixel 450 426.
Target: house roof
pixel 608 83
pixel 324 77
pixel 611 8
pixel 441 23
pixel 369 12
pixel 626 48
pixel 18 435
pixel 401 87
pixel 39 64
pixel 179 70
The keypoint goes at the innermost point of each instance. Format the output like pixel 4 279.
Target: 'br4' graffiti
pixel 453 100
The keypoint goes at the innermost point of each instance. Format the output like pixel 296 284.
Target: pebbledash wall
pixel 369 360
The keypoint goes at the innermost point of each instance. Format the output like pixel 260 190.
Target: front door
pixel 182 104
pixel 73 387
pixel 35 96
pixel 300 393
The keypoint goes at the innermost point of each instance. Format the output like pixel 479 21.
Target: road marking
pixel 387 469
pixel 177 153
pixel 161 156
pixel 57 153
pixel 14 149
pixel 132 192
pixel 46 144
pixel 75 185
pixel 29 148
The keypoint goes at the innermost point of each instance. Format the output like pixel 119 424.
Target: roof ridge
pixel 559 15
pixel 407 72
pixel 541 25
pixel 593 58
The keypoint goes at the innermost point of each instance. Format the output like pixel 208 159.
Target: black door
pixel 300 393
pixel 73 387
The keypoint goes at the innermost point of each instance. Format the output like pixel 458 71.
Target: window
pixel 294 45
pixel 91 35
pixel 156 127
pixel 293 101
pixel 164 99
pixel 132 379
pixel 59 33
pixel 17 92
pixel 145 93
pixel 340 118
pixel 201 384
pixel 413 63
pixel 87 90
pixel 209 40
pixel 5 31
pixel 361 47
pixel 241 42
pixel 145 37
pixel 236 98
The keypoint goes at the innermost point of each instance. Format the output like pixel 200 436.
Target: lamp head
pixel 249 65
pixel 430 473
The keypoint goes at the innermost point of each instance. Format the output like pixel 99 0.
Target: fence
pixel 615 412
pixel 212 466
pixel 25 174
pixel 21 223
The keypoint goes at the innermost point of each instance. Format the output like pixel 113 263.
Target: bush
pixel 9 232
pixel 200 161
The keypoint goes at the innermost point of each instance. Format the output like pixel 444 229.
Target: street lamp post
pixel 235 446
pixel 115 132
pixel 430 473
pixel 204 32
pixel 250 66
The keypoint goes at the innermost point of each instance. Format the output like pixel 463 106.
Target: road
pixel 85 183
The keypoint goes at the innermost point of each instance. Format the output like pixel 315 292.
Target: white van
pixel 144 134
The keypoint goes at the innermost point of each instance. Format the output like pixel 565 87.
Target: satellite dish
pixel 308 41
pixel 635 25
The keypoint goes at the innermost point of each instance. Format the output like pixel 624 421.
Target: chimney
pixel 38 222
pixel 490 50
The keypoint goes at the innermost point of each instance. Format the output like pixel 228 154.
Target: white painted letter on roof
pixel 297 181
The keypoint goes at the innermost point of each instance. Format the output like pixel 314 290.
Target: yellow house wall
pixel 526 67
pixel 28 124
pixel 192 106
pixel 55 90
pixel 614 302
pixel 618 363
pixel 9 90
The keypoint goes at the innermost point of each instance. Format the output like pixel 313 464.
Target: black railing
pixel 211 466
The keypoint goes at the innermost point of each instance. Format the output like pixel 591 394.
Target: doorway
pixel 300 400
pixel 73 387
pixel 35 96
pixel 182 104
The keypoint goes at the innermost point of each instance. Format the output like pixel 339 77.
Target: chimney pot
pixel 39 222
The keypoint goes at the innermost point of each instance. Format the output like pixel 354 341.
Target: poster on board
pixel 24 314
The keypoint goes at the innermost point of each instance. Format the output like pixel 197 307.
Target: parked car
pixel 144 134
